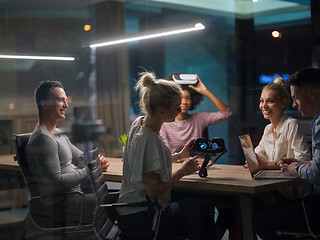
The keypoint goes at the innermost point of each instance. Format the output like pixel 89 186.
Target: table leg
pixel 246 208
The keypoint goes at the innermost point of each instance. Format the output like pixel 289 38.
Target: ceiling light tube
pixel 37 57
pixel 149 35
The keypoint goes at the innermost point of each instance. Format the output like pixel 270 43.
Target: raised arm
pixel 202 89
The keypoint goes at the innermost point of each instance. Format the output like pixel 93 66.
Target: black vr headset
pixel 208 148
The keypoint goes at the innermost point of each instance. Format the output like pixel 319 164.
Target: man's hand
pixel 285 167
pixel 288 164
pixel 288 160
pixel 104 163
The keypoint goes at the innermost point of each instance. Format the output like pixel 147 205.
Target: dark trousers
pixel 288 217
pixel 140 225
pixel 188 218
pixel 76 204
pixel 66 212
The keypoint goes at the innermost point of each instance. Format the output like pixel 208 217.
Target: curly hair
pixel 196 97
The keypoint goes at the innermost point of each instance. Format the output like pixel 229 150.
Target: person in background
pixel 147 170
pixel 186 126
pixel 54 157
pixel 305 92
pixel 283 137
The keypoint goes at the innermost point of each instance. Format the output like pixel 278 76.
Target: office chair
pixel 44 218
pixel 312 213
pixel 312 216
pixel 105 225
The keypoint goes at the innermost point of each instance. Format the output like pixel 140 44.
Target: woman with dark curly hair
pixel 189 126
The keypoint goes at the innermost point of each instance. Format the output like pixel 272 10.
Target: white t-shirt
pixel 289 140
pixel 145 151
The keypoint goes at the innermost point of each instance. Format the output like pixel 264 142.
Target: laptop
pixel 253 164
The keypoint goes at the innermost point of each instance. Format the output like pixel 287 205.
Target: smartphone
pixel 188 79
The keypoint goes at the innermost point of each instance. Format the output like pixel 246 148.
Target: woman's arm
pixel 183 154
pixel 267 164
pixel 154 186
pixel 202 89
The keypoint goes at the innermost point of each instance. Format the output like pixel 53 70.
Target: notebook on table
pixel 253 164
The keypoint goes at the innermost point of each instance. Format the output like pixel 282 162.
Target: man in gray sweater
pixel 53 158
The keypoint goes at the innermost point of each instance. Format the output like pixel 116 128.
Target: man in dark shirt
pixel 305 92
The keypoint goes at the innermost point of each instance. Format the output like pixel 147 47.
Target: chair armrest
pixel 149 202
pixel 137 204
pixel 113 192
pixel 53 196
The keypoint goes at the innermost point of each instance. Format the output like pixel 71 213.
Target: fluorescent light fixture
pixel 149 35
pixel 37 57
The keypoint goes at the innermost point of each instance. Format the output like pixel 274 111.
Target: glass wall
pixel 235 55
pixel 234 51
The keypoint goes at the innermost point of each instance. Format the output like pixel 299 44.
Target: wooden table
pixel 223 182
pixel 7 163
pixel 9 167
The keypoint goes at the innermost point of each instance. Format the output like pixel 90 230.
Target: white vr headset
pixel 188 79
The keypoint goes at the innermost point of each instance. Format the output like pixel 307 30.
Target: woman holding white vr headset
pixel 190 126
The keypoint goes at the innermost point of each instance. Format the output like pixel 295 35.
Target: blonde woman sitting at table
pixel 282 138
pixel 147 170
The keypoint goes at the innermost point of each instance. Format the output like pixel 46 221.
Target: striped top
pixel 177 134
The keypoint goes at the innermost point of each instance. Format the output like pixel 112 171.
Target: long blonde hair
pixel 156 93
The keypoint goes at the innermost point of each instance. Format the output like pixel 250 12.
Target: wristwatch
pixel 298 165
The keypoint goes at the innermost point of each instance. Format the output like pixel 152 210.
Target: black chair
pixel 44 218
pixel 105 215
pixel 312 213
pixel 310 204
